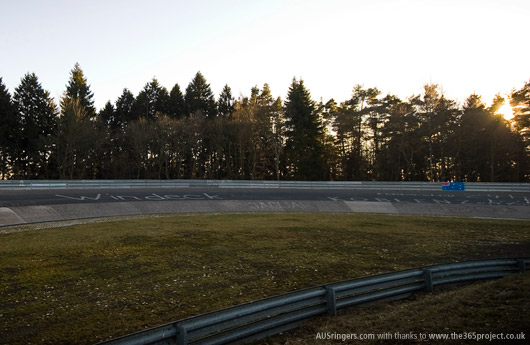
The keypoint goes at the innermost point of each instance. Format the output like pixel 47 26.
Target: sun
pixel 506 111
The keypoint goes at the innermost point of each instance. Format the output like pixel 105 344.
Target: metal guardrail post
pixel 331 303
pixel 182 335
pixel 427 276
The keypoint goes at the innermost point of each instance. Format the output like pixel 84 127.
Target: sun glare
pixel 506 111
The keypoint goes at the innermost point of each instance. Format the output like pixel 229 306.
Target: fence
pixel 259 319
pixel 362 185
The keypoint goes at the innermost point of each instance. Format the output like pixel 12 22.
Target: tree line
pixel 161 134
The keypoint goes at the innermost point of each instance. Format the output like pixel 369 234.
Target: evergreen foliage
pixel 165 135
pixel 124 108
pixel 199 98
pixel 520 100
pixel 78 89
pixel 153 99
pixel 304 147
pixel 8 131
pixel 107 116
pixel 36 124
pixel 226 102
pixel 176 105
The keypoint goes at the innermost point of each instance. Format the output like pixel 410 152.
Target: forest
pixel 191 134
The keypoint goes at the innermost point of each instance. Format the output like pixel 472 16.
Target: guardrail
pixel 362 185
pixel 259 319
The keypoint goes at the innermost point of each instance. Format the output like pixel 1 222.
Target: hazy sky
pixel 397 46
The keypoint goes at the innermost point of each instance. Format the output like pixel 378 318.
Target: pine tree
pixel 226 102
pixel 199 97
pixel 176 106
pixel 78 89
pixel 105 143
pixel 107 116
pixel 401 155
pixel 278 131
pixel 304 147
pixel 77 141
pixel 7 130
pixel 116 147
pixel 479 141
pixel 37 123
pixel 151 100
pixel 327 112
pixel 363 101
pixel 124 108
pixel 520 101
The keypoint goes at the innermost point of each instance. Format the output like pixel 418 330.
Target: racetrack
pixel 34 206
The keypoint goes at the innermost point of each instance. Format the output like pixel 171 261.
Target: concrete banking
pixel 18 215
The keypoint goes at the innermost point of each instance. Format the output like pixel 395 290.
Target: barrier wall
pixel 363 185
pixel 259 319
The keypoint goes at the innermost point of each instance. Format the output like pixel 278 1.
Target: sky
pixel 465 46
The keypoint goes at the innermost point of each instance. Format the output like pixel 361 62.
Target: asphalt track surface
pixel 80 196
pixel 33 206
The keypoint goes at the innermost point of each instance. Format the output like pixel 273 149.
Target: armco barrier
pixel 364 185
pixel 259 319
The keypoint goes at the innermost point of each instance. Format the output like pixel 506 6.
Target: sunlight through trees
pixel 161 134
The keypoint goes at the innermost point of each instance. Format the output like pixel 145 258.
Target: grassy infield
pixel 86 283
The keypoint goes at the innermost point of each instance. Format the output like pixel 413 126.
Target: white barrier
pixel 361 185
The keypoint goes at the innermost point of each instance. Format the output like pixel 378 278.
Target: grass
pixel 87 283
